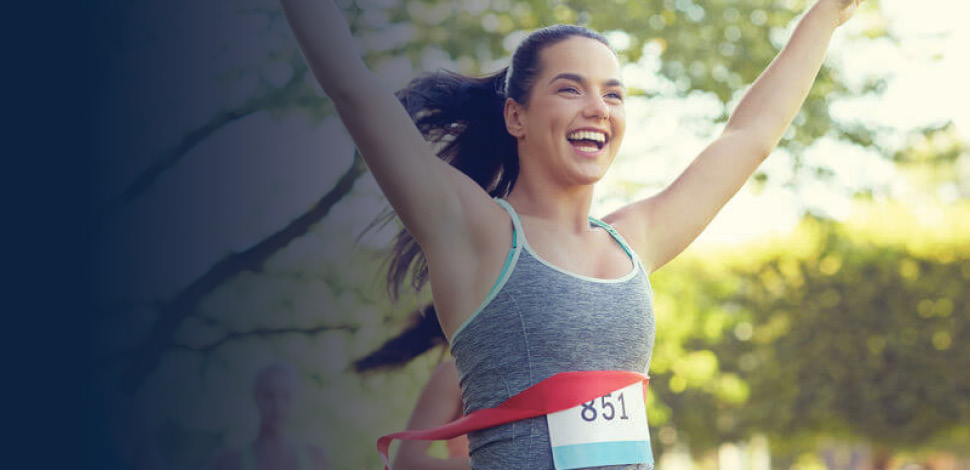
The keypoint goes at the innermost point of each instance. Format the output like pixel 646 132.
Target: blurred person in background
pixel 274 391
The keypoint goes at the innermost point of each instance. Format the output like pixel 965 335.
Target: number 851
pixel 589 412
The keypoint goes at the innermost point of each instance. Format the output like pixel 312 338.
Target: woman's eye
pixel 569 89
pixel 615 96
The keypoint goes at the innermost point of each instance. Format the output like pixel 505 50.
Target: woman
pixel 528 285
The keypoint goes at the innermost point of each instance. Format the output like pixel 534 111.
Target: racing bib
pixel 609 430
pixel 625 439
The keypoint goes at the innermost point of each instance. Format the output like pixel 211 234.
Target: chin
pixel 587 180
pixel 591 176
pixel 589 172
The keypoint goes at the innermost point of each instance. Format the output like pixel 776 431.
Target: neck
pixel 566 208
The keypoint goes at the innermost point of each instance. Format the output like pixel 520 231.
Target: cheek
pixel 619 123
pixel 619 113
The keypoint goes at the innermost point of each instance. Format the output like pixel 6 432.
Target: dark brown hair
pixel 422 334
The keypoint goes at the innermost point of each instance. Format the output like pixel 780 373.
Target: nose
pixel 596 107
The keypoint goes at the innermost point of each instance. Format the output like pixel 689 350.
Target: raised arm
pixel 424 191
pixel 661 226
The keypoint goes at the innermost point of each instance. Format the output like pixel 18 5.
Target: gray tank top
pixel 539 320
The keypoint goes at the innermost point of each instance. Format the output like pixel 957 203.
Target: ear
pixel 514 118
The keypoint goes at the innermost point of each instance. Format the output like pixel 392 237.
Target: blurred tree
pixel 856 331
pixel 937 162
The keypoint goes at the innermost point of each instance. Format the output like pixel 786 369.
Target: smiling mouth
pixel 587 141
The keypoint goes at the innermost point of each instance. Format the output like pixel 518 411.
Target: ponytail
pixel 464 118
pixel 423 334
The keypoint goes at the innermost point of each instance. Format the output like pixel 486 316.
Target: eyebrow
pixel 579 79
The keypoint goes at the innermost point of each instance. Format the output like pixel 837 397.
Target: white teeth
pixel 587 135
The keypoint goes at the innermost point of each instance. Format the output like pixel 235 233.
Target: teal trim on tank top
pixel 510 260
pixel 519 241
pixel 616 236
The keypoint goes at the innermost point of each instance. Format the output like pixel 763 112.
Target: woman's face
pixel 571 128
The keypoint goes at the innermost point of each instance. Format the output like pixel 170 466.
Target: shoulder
pixel 487 222
pixel 228 459
pixel 633 222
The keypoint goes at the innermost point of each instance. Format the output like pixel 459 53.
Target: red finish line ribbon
pixel 559 392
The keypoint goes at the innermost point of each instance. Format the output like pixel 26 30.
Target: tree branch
pixel 168 158
pixel 264 332
pixel 146 356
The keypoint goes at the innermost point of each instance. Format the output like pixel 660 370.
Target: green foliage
pixel 838 330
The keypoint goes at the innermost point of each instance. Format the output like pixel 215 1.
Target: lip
pixel 599 151
pixel 585 154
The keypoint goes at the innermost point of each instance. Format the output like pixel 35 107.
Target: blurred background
pixel 821 322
